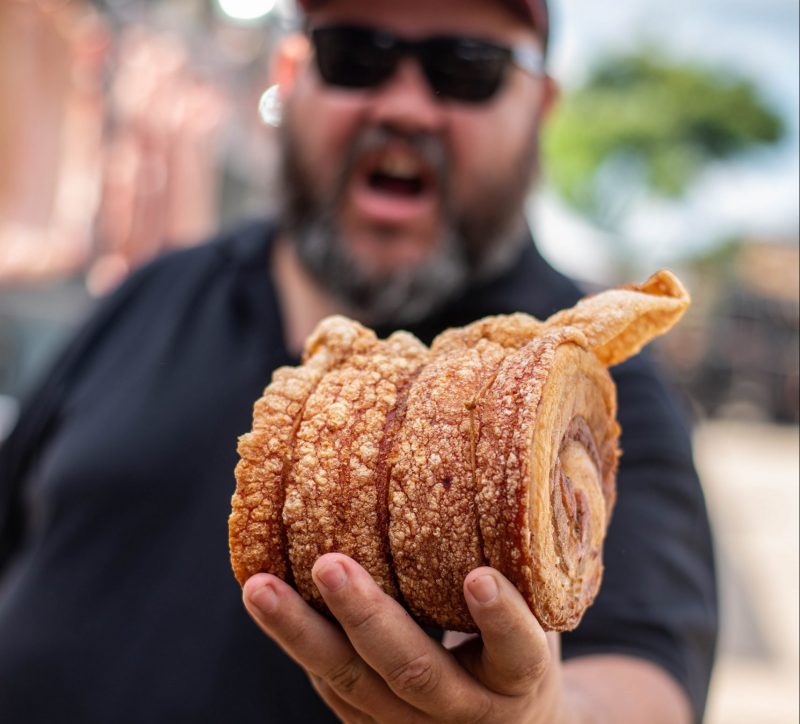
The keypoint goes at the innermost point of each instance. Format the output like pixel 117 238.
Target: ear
pixel 550 95
pixel 291 57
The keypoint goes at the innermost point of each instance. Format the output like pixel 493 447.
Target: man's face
pixel 395 198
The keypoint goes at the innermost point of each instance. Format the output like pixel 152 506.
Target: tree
pixel 645 125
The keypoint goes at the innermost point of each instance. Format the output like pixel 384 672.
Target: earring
pixel 270 106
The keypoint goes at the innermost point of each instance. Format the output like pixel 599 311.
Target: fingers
pixel 516 656
pixel 321 648
pixel 414 666
pixel 383 666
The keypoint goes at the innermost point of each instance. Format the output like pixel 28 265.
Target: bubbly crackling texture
pixel 497 446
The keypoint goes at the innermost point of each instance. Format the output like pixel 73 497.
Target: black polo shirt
pixel 117 602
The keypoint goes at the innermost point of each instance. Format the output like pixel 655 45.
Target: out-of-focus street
pixel 750 474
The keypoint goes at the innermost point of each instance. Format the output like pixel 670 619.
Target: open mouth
pixel 398 171
pixel 395 185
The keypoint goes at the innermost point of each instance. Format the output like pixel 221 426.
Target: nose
pixel 407 102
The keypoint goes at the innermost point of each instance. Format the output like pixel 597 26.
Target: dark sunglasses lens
pixel 353 57
pixel 465 69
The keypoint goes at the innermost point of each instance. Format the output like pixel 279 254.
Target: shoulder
pixel 652 414
pixel 160 291
pixel 177 277
pixel 240 248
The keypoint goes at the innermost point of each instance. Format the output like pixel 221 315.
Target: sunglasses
pixel 471 70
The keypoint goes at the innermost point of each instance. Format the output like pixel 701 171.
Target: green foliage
pixel 645 124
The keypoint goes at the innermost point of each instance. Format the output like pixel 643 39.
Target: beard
pixel 475 244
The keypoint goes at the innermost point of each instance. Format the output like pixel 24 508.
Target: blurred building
pixel 135 130
pixel 127 128
pixel 738 352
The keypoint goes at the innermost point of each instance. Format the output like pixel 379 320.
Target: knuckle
pixel 294 636
pixel 345 677
pixel 417 676
pixel 533 670
pixel 362 617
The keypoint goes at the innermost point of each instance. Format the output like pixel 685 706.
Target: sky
pixel 755 196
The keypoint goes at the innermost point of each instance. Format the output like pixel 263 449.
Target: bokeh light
pixel 246 10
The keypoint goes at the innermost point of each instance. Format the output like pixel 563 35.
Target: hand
pixel 380 666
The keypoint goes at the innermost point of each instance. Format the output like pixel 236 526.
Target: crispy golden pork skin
pixel 617 323
pixel 434 532
pixel 256 534
pixel 336 490
pixel 498 446
pixel 548 455
pixel 433 529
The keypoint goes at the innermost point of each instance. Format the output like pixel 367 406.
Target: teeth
pixel 400 165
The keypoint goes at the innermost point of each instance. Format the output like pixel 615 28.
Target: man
pixel 409 135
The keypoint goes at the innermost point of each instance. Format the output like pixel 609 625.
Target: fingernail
pixel 483 588
pixel 332 575
pixel 265 599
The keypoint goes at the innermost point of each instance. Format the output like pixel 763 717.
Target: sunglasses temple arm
pixel 530 59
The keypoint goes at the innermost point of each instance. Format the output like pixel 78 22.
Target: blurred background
pixel 129 127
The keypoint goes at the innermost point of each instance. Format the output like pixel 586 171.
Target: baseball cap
pixel 534 11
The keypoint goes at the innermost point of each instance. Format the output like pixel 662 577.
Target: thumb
pixel 516 655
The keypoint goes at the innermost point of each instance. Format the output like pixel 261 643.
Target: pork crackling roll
pixel 497 446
